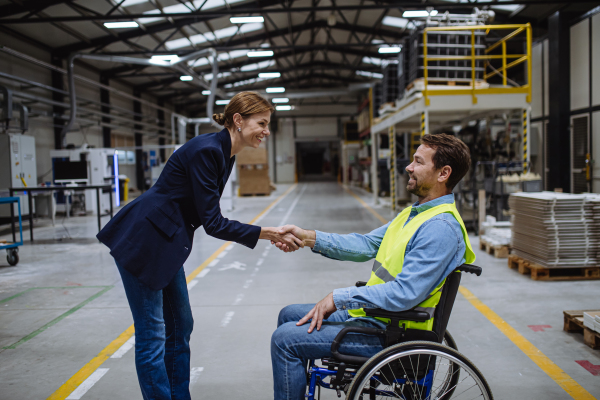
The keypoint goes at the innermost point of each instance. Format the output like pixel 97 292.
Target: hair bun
pixel 219 118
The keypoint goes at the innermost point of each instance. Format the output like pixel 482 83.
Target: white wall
pixel 580 65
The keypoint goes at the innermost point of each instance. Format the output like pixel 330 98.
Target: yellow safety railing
pixel 473 90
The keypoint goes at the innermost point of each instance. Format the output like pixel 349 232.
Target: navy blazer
pixel 152 236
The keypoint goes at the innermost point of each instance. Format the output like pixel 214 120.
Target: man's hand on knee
pixel 321 310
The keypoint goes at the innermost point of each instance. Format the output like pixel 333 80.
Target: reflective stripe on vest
pixel 390 258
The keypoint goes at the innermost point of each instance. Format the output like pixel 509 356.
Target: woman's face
pixel 255 128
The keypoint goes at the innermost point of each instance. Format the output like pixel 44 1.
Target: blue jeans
pixel 292 346
pixel 163 326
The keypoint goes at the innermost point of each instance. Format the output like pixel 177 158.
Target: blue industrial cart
pixel 12 249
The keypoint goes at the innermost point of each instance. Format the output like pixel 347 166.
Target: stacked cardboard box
pixel 253 172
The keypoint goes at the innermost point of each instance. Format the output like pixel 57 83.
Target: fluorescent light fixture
pixel 395 22
pixel 209 36
pixel 370 74
pixel 415 14
pixel 371 60
pixel 259 65
pixel 221 57
pixel 261 53
pixel 164 60
pixel 389 49
pixel 121 24
pixel 280 100
pixel 275 89
pixel 245 20
pixel 206 92
pixel 186 78
pixel 283 108
pixel 180 8
pixel 433 13
pixel 377 41
pixel 222 102
pixel 128 3
pixel 208 77
pixel 269 74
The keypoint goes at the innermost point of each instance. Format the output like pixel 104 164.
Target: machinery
pixel 89 166
pixel 17 167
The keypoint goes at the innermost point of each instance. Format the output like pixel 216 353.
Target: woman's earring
pixel 239 129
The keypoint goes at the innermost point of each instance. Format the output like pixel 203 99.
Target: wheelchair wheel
pixel 419 371
pixel 449 340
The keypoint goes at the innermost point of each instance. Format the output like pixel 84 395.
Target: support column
pixel 105 108
pixel 392 135
pixel 57 83
pixel 374 178
pixel 161 140
pixel 139 154
pixel 425 123
pixel 559 94
pixel 526 147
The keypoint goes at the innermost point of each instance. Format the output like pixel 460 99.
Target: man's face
pixel 422 173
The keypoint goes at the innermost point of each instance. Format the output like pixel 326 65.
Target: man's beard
pixel 418 190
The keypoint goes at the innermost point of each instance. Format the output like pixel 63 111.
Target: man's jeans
pixel 163 325
pixel 292 346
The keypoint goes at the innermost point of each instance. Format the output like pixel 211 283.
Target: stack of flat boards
pixel 591 320
pixel 556 230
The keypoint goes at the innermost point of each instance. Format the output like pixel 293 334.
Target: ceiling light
pixel 121 24
pixel 372 60
pixel 221 102
pixel 280 100
pixel 370 74
pixel 331 21
pixel 245 20
pixel 395 22
pixel 206 92
pixel 263 53
pixel 283 108
pixel 415 14
pixel 275 89
pixel 389 49
pixel 186 78
pixel 164 60
pixel 269 74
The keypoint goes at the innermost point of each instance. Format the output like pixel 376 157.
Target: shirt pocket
pixel 162 221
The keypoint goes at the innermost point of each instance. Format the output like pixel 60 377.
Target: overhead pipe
pixel 140 61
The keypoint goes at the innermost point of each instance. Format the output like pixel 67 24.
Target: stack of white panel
pixel 591 320
pixel 556 230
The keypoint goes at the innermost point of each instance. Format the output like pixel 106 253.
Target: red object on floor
pixel 591 368
pixel 539 328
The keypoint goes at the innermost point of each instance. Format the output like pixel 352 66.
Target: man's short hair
pixel 451 151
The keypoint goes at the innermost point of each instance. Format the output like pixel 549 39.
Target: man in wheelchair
pixel 413 254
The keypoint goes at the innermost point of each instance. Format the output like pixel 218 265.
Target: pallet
pixel 574 323
pixel 540 273
pixel 498 251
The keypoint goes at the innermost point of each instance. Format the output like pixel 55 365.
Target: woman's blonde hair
pixel 244 103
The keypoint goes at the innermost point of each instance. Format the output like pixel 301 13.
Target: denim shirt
pixel 433 252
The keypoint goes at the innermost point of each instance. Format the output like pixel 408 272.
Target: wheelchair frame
pixel 342 368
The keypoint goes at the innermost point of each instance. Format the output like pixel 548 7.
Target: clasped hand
pixel 305 236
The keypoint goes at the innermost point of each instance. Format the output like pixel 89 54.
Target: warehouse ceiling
pixel 315 44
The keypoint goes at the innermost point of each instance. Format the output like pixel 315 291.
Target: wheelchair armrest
pixel 340 336
pixel 408 315
pixel 361 283
pixel 472 269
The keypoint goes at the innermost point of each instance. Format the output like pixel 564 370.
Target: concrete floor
pixel 72 287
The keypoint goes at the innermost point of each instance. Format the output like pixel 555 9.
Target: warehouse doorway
pixel 317 161
pixel 580 154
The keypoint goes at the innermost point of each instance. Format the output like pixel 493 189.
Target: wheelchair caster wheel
pixel 12 256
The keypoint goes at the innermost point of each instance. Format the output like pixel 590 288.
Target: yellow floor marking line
pixel 558 375
pixel 365 205
pixel 88 369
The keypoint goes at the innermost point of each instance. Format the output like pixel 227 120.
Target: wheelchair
pixel 414 364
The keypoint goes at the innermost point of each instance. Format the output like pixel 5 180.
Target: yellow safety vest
pixel 390 258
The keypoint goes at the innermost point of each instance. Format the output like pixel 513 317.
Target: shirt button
pixel 344 307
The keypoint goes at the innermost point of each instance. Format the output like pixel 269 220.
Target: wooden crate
pixel 540 273
pixel 495 250
pixel 574 323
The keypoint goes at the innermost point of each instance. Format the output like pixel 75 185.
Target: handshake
pixel 289 238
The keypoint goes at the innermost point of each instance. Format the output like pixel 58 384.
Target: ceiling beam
pixel 26 6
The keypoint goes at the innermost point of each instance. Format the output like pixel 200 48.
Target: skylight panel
pixel 209 77
pixel 395 22
pixel 369 74
pixel 222 57
pixel 208 36
pixel 128 3
pixel 371 60
pixel 181 8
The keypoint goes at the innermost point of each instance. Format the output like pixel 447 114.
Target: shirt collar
pixel 225 139
pixel 419 208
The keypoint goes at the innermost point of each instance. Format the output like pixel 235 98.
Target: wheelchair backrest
pixel 444 308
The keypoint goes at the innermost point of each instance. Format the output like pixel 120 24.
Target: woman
pixel 152 237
